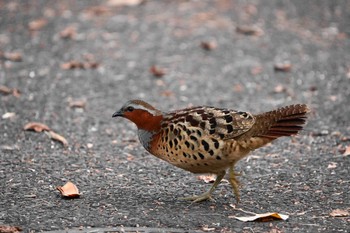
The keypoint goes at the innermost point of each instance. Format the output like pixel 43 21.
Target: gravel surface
pixel 70 64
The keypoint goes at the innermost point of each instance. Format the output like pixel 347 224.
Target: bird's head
pixel 144 115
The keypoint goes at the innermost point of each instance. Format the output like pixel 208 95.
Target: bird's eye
pixel 130 109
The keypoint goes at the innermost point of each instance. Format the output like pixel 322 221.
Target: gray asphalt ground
pixel 113 47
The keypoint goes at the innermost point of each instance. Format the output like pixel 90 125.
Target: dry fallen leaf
pixel 208 45
pixel 5 90
pixel 283 67
pixel 332 165
pixel 347 151
pixel 9 229
pixel 16 92
pixel 256 70
pixel 207 178
pixel 69 32
pixel 13 56
pixel 279 88
pixel 124 2
pixel 167 93
pixel 156 71
pixel 77 103
pixel 69 190
pixel 262 217
pixel 249 30
pixel 238 87
pixel 339 213
pixel 73 64
pixel 8 115
pixel 37 24
pixel 36 126
pixel 57 137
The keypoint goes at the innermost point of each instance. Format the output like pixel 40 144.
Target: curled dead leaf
pixel 9 229
pixel 339 213
pixel 249 30
pixel 280 88
pixel 208 45
pixel 69 190
pixel 16 92
pixel 347 151
pixel 77 103
pixel 57 137
pixel 156 71
pixel 256 70
pixel 5 90
pixel 37 24
pixel 207 178
pixel 262 217
pixel 124 2
pixel 13 56
pixel 69 32
pixel 36 126
pixel 8 115
pixel 73 64
pixel 283 67
pixel 332 165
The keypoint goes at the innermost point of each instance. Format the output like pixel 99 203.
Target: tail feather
pixel 284 121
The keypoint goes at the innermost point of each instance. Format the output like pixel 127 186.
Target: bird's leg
pixel 206 195
pixel 234 182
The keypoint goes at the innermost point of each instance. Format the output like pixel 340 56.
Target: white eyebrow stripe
pixel 141 107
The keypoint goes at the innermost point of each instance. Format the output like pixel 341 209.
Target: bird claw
pixel 205 196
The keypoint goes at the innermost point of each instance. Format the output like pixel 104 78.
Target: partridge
pixel 209 139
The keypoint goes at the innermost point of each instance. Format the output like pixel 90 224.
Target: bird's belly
pixel 200 160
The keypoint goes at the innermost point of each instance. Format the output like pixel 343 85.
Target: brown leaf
pixel 256 70
pixel 124 2
pixel 37 24
pixel 69 190
pixel 207 178
pixel 208 45
pixel 9 229
pixel 347 151
pixel 5 90
pixel 156 71
pixel 36 126
pixel 279 88
pixel 262 217
pixel 69 32
pixel 13 56
pixel 249 30
pixel 238 87
pixel 283 67
pixel 91 65
pixel 16 92
pixel 339 213
pixel 167 93
pixel 77 103
pixel 73 64
pixel 57 137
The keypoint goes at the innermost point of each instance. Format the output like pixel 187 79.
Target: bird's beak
pixel 117 114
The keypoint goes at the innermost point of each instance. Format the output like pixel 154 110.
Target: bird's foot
pixel 198 198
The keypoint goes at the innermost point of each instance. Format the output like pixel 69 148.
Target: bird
pixel 210 140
